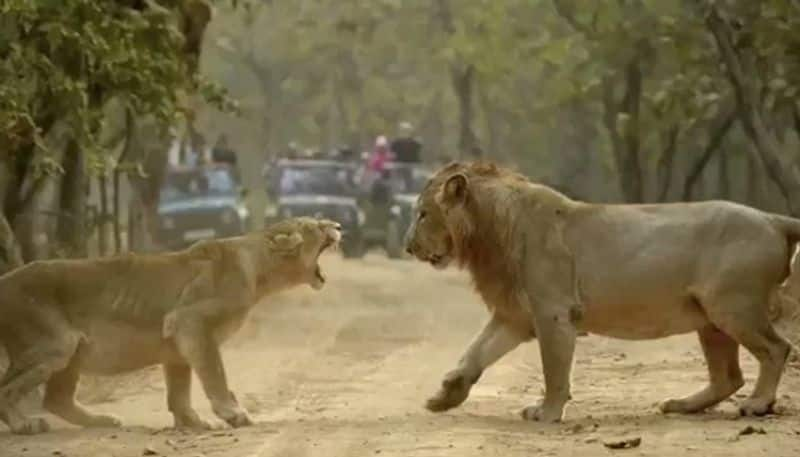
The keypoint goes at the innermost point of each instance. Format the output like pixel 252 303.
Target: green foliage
pixel 63 61
pixel 547 72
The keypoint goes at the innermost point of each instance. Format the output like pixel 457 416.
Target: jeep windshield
pixel 194 183
pixel 315 180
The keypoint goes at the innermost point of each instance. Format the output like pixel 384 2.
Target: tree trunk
pixel 72 227
pixel 723 176
pixel 118 170
pixel 102 221
pixel 463 77
pixel 713 145
pixel 666 163
pixel 10 255
pixel 625 135
pixel 492 127
pixel 742 73
pixel 753 194
pixel 150 151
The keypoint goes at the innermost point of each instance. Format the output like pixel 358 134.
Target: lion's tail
pixel 789 226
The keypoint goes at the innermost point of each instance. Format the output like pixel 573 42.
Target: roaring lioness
pixel 549 267
pixel 61 318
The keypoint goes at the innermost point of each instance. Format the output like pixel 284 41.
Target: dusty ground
pixel 344 372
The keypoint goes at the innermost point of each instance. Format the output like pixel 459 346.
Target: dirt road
pixel 345 371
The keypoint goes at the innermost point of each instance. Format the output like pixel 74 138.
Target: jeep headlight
pixel 362 216
pixel 242 211
pixel 395 210
pixel 270 211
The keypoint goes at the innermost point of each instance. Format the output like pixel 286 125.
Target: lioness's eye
pixel 422 215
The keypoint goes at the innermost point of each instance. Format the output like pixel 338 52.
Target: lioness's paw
pixel 756 407
pixel 32 426
pixel 455 389
pixel 542 414
pixel 104 421
pixel 192 421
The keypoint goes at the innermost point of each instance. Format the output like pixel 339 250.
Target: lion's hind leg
pixel 46 346
pixel 59 399
pixel 179 397
pixel 745 319
pixel 18 422
pixel 725 377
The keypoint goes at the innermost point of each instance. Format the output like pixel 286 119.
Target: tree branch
pixel 568 14
pixel 745 80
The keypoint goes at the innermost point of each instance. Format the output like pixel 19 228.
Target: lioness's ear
pixel 286 242
pixel 454 191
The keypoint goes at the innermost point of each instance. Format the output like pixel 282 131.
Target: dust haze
pixel 345 372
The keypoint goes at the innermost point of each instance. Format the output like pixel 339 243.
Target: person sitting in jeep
pixel 381 192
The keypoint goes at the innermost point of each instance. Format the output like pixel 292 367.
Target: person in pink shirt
pixel 380 155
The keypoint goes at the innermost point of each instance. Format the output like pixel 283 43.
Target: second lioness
pixel 106 316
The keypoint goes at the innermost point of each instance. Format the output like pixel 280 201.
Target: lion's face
pixel 301 241
pixel 430 236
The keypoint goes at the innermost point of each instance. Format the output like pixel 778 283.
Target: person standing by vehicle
pixel 380 155
pixel 405 147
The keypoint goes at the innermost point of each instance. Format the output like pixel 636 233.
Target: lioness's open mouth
pixel 332 240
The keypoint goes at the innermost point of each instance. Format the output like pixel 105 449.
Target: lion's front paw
pixel 455 389
pixel 755 406
pixel 104 421
pixel 542 413
pixel 30 426
pixel 239 419
pixel 675 405
pixel 191 421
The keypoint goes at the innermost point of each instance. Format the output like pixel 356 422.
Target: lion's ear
pixel 284 242
pixel 454 191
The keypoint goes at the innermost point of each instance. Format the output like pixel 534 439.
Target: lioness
pixel 60 318
pixel 548 267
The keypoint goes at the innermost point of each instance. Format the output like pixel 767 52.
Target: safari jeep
pixel 199 203
pixel 316 188
pixel 387 220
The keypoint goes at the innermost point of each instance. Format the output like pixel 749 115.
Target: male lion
pixel 60 318
pixel 549 267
